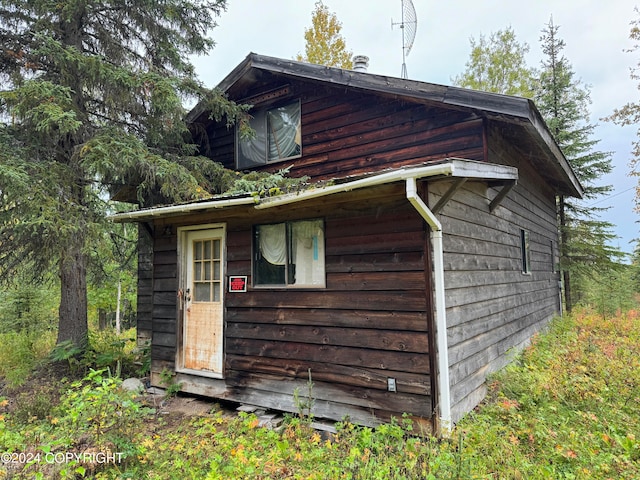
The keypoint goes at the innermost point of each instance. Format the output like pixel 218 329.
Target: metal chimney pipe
pixel 360 63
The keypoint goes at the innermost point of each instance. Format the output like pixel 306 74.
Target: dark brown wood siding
pixel 144 316
pixel 350 133
pixel 493 309
pixel 369 324
pixel 165 294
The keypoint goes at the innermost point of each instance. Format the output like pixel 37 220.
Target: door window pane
pixel 206 270
pixel 202 292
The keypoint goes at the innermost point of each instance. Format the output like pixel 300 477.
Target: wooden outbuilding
pixel 422 260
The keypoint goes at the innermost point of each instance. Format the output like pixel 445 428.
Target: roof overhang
pixel 451 167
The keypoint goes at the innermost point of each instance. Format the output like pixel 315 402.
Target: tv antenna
pixel 408 25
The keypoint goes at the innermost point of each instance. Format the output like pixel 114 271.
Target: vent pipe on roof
pixel 360 63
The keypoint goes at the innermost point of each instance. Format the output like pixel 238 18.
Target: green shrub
pixel 99 409
pixel 113 351
pixel 21 353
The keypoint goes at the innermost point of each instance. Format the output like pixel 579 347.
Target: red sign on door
pixel 238 284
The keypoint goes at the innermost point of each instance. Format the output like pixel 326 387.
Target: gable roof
pixel 517 118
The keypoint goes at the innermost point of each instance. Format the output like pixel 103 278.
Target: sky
pixel 595 32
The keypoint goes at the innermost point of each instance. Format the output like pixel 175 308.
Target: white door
pixel 202 334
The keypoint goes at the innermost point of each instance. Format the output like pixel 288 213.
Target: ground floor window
pixel 289 254
pixel 526 253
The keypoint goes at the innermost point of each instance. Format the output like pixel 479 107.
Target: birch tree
pixel 324 43
pixel 498 65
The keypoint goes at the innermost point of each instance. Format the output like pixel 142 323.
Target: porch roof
pixel 450 167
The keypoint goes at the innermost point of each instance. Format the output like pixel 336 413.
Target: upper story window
pixel 277 137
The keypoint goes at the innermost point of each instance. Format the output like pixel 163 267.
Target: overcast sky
pixel 596 34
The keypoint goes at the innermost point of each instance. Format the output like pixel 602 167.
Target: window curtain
pixel 252 149
pixel 283 128
pixel 273 244
pixel 308 252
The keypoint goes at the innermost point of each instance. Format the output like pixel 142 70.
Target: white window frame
pixel 286 252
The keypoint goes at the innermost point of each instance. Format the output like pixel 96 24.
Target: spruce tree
pixel 564 102
pixel 92 100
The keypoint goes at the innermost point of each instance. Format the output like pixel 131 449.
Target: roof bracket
pixel 501 194
pixel 455 186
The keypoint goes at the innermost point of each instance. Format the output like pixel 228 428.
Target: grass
pixel 567 408
pixel 22 352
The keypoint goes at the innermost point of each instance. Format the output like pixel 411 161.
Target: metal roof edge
pixel 453 167
pixel 170 210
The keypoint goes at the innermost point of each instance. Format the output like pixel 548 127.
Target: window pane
pixel 197 274
pixel 216 249
pixel 252 151
pixel 216 292
pixel 283 128
pixel 197 249
pixel 216 270
pixel 207 270
pixel 207 250
pixel 202 292
pixel 307 253
pixel 526 252
pixel 271 254
pixel 272 243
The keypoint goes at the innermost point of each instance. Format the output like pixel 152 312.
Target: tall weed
pixel 21 352
pixel 114 351
pixel 568 408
